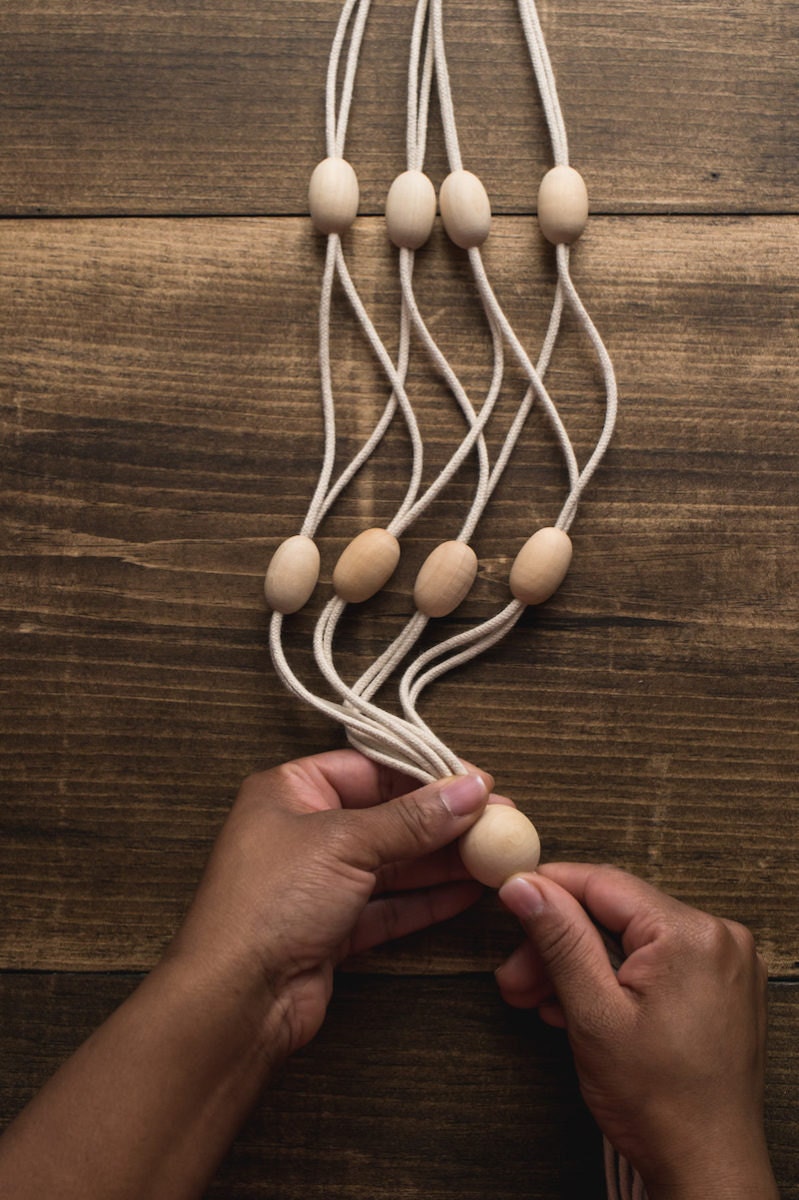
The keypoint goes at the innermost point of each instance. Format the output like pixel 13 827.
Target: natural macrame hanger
pixel 407 742
pixel 384 666
pixel 498 627
pixel 362 718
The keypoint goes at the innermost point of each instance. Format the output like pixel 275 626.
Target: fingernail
pixel 522 897
pixel 464 794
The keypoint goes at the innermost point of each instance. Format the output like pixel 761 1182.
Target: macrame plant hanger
pixel 502 841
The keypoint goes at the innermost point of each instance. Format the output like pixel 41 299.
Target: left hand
pixel 318 859
pixel 321 858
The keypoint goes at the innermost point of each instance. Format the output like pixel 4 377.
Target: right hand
pixel 670 1050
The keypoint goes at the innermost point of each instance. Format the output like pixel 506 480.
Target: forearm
pixel 148 1106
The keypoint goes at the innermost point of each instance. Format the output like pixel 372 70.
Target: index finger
pixel 622 903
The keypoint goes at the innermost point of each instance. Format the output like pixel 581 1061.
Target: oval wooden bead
pixel 333 195
pixel 500 844
pixel 562 205
pixel 541 565
pixel 444 579
pixel 292 574
pixel 410 210
pixel 465 209
pixel 366 565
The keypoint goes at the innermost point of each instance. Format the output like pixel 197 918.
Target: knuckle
pixel 340 834
pixel 253 782
pixel 255 789
pixel 711 937
pixel 286 775
pixel 419 821
pixel 390 916
pixel 563 945
pixel 347 844
pixel 744 938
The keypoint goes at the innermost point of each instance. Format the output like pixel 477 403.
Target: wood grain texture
pixel 161 435
pixel 386 1103
pixel 194 108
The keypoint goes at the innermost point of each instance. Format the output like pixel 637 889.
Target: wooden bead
pixel 500 844
pixel 292 574
pixel 333 195
pixel 465 209
pixel 410 210
pixel 444 579
pixel 562 205
pixel 541 565
pixel 366 565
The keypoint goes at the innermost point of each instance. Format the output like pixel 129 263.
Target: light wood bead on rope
pixel 365 565
pixel 292 574
pixel 465 209
pixel 444 579
pixel 333 195
pixel 541 565
pixel 410 210
pixel 500 844
pixel 562 205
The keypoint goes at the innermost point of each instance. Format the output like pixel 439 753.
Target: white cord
pixel 336 121
pixel 482 637
pixel 407 741
pixel 498 325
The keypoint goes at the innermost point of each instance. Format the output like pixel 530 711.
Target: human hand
pixel 670 1050
pixel 322 858
pixel 318 859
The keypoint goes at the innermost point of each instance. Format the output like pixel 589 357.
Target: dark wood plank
pixel 161 434
pixel 123 108
pixel 414 1087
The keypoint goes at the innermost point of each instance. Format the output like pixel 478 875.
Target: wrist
pixel 230 1002
pixel 735 1169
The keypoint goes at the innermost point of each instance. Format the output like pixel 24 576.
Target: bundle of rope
pixel 406 742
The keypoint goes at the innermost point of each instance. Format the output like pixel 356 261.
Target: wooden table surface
pixel 161 433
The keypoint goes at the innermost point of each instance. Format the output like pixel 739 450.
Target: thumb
pixel 567 943
pixel 421 821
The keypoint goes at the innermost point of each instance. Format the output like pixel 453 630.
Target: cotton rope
pixel 489 632
pixel 407 742
pixel 499 325
pixel 337 117
pixel 486 635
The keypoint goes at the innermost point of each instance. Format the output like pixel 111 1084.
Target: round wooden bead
pixel 562 205
pixel 465 209
pixel 365 565
pixel 444 579
pixel 541 565
pixel 292 574
pixel 410 210
pixel 500 844
pixel 333 195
